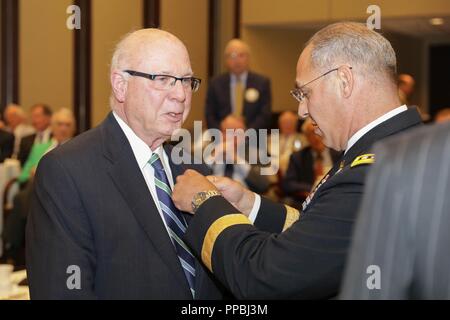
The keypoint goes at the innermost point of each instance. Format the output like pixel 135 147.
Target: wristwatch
pixel 202 196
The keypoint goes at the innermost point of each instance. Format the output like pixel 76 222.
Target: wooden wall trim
pixel 237 18
pixel 212 31
pixel 10 53
pixel 82 67
pixel 152 13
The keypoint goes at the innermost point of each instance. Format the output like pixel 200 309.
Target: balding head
pixel 152 107
pixel 287 122
pixel 14 115
pixel 131 50
pixel 314 140
pixel 406 84
pixel 237 56
pixel 63 125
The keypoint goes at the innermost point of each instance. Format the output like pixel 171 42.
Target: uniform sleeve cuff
pixel 256 205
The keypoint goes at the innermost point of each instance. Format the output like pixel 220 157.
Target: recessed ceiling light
pixel 437 21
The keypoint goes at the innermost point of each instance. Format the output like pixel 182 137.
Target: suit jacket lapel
pixel 127 177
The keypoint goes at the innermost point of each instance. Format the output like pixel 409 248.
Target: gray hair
pixel 16 109
pixel 368 52
pixel 63 113
pixel 236 43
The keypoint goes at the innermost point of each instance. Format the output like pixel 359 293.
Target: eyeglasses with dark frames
pixel 300 95
pixel 165 81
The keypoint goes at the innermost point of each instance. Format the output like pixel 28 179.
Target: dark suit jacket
pixel 92 208
pixel 307 259
pixel 6 145
pixel 26 143
pixel 218 105
pixel 404 221
pixel 299 176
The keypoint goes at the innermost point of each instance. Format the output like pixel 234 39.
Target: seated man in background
pixel 41 115
pixel 308 166
pixel 234 165
pixel 406 84
pixel 442 116
pixel 289 139
pixel 62 129
pixel 6 145
pixel 16 119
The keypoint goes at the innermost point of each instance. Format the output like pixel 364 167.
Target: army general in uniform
pixel 346 83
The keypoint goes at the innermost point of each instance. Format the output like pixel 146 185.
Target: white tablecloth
pixel 18 292
pixel 8 170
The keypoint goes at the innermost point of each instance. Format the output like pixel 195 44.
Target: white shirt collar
pixel 243 77
pixel 141 150
pixel 361 132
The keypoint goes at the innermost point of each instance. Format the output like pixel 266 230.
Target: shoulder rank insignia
pixel 363 159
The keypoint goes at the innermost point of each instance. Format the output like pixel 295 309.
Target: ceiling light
pixel 437 21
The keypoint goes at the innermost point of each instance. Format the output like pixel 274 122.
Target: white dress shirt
pixel 143 153
pixel 43 136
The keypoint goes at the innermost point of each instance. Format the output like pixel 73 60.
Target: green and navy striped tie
pixel 176 224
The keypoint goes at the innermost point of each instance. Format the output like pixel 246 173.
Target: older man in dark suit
pixel 239 92
pixel 102 224
pixel 6 144
pixel 401 243
pixel 346 83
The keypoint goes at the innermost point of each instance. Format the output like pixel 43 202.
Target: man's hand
pixel 187 186
pixel 235 193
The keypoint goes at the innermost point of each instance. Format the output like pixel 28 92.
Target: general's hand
pixel 235 193
pixel 187 185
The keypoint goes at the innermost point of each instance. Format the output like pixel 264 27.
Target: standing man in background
pixel 239 92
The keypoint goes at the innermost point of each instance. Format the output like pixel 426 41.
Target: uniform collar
pixel 361 132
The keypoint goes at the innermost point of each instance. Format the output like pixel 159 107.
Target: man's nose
pixel 178 91
pixel 303 110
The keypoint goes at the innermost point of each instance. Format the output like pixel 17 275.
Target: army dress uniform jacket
pixel 287 254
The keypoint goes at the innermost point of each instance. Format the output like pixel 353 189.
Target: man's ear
pixel 346 81
pixel 119 85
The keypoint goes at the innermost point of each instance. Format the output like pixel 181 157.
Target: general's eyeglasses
pixel 300 95
pixel 165 81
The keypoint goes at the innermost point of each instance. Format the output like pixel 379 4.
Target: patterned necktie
pixel 175 221
pixel 238 97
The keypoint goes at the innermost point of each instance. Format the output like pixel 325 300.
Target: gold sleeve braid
pixel 215 230
pixel 292 215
